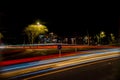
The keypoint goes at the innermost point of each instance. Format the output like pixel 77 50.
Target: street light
pixel 102 35
pixel 38 23
pixel 34 30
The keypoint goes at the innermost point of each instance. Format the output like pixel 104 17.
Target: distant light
pixel 102 32
pixel 38 23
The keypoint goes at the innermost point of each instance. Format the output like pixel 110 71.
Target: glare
pixel 1 47
pixel 102 32
pixel 38 23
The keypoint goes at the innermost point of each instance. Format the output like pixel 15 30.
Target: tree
pixel 102 36
pixel 34 30
pixel 98 38
pixel 112 38
pixel 52 37
pixel 1 36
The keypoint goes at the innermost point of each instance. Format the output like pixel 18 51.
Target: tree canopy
pixel 34 30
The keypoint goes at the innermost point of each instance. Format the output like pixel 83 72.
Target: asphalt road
pixel 101 70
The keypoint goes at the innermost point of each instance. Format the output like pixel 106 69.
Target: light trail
pixel 69 68
pixel 73 60
pixel 36 63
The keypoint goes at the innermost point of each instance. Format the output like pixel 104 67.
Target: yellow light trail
pixel 59 64
pixel 69 68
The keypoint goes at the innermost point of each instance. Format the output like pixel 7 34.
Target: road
pixel 16 56
pixel 54 65
pixel 101 70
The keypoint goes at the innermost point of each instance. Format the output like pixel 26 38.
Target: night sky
pixel 62 19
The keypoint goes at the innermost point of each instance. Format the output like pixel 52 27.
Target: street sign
pixel 59 47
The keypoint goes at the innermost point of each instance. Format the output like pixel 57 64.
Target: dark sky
pixel 63 19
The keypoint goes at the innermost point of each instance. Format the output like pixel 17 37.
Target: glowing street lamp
pixel 38 23
pixel 102 34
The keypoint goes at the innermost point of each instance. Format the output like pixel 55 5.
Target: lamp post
pixel 102 35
